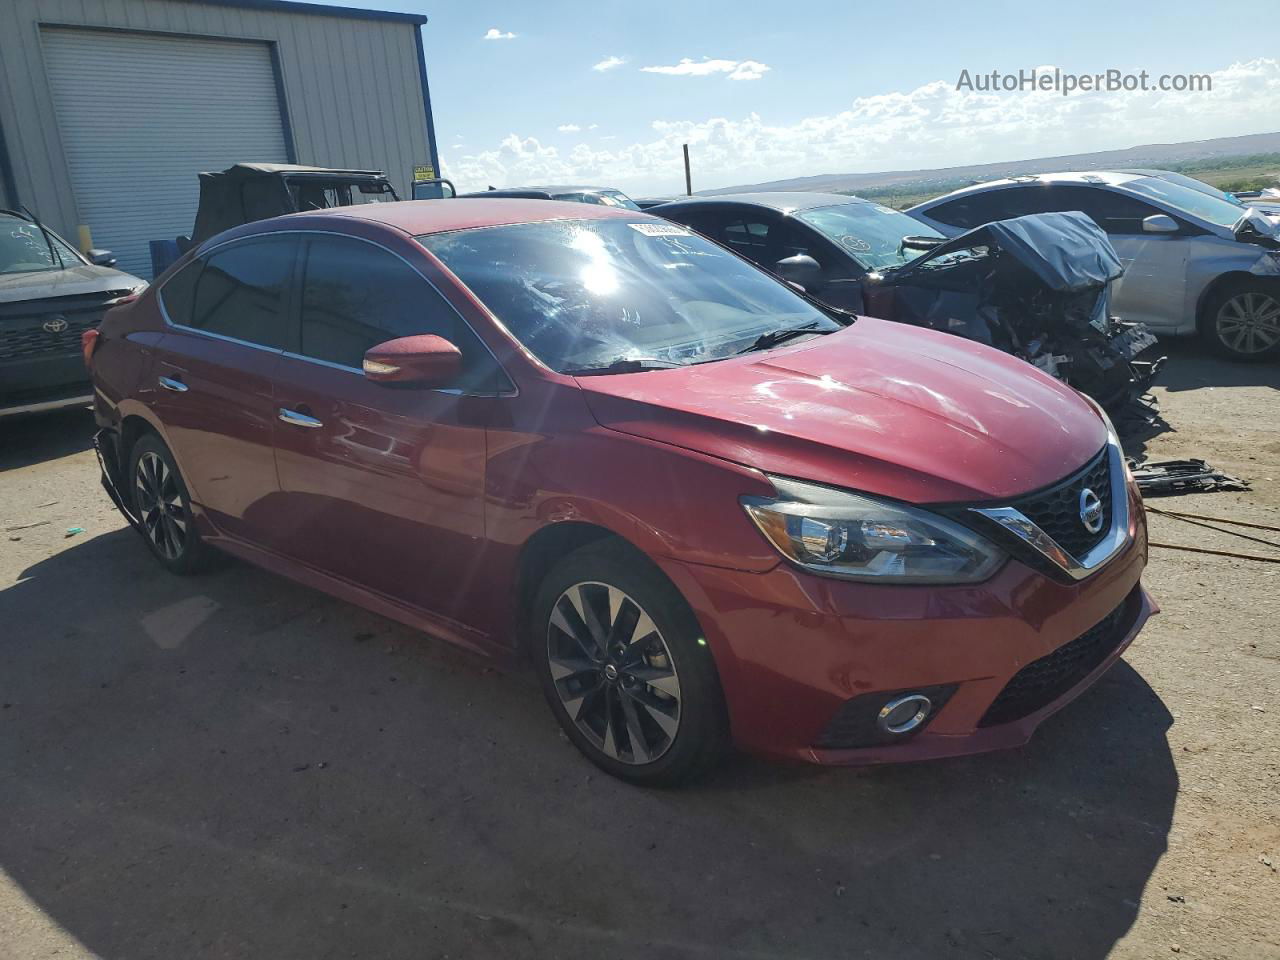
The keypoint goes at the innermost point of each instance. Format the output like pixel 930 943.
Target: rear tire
pixel 625 669
pixel 1241 321
pixel 163 507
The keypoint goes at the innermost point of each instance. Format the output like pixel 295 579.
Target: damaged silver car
pixel 1194 262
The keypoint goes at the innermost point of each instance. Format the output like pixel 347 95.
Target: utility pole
pixel 688 181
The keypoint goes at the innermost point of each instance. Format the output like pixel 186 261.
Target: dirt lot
pixel 234 766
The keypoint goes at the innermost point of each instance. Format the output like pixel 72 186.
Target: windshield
pixel 607 198
pixel 868 232
pixel 584 294
pixel 23 248
pixel 1191 183
pixel 315 194
pixel 1203 205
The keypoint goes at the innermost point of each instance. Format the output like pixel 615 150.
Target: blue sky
pixel 841 87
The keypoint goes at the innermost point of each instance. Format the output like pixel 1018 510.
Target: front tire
pixel 163 508
pixel 625 669
pixel 1241 322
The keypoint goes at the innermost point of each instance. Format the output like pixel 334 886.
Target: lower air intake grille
pixel 1042 681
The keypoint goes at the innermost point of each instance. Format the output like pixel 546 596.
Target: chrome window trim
pixel 201 253
pixel 1117 538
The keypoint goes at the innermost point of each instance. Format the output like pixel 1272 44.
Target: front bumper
pixel 792 649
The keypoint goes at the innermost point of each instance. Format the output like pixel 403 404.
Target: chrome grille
pixel 1056 511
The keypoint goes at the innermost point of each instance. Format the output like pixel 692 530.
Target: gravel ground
pixel 234 766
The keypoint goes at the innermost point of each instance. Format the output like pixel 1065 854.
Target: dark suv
pixel 49 295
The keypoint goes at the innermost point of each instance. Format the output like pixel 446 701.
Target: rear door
pixel 229 315
pixel 382 485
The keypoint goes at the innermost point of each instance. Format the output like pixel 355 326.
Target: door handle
pixel 177 386
pixel 299 419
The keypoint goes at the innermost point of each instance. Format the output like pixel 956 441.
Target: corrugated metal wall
pixel 352 87
pixel 131 169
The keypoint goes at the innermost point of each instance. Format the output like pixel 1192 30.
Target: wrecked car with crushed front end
pixel 1037 287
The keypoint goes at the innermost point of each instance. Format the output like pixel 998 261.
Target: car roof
pixel 781 201
pixel 1109 178
pixel 417 217
pixel 499 191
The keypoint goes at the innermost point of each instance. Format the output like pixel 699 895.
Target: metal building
pixel 109 109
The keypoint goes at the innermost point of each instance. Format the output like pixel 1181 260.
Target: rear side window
pixel 356 295
pixel 178 293
pixel 972 210
pixel 242 292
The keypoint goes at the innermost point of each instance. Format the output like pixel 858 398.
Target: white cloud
pixel 749 70
pixel 608 63
pixel 568 128
pixel 496 34
pixel 593 126
pixel 933 125
pixel 698 68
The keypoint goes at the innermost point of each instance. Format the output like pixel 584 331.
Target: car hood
pixel 71 282
pixel 880 407
pixel 1068 252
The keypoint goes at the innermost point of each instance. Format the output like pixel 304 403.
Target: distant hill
pixel 920 181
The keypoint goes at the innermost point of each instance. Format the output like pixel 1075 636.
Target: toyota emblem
pixel 1090 510
pixel 55 324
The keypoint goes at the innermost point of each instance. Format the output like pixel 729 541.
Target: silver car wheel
pixel 613 673
pixel 1249 322
pixel 160 506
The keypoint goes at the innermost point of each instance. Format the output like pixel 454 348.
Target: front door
pixel 229 318
pixel 383 485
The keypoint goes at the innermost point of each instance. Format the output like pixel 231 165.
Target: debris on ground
pixel 25 526
pixel 1169 477
pixel 72 531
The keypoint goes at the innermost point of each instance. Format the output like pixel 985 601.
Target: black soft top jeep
pixel 246 192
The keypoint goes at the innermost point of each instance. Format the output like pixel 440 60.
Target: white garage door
pixel 141 115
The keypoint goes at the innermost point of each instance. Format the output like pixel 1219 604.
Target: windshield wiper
pixel 775 337
pixel 625 365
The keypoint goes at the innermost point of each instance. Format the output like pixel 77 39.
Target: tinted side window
pixel 746 237
pixel 1113 212
pixel 178 294
pixel 794 238
pixel 356 296
pixel 972 210
pixel 242 291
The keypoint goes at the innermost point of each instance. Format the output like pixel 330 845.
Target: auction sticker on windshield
pixel 659 229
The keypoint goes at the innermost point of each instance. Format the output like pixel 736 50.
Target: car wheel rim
pixel 160 506
pixel 1250 322
pixel 614 673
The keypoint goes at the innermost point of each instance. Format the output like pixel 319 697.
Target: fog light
pixel 903 714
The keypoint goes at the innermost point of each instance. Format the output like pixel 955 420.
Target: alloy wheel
pixel 1249 322
pixel 160 506
pixel 613 672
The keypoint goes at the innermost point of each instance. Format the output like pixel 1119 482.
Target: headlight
pixel 851 535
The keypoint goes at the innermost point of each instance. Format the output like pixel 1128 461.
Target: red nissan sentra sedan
pixel 709 511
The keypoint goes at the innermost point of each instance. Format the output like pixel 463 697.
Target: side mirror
pixel 425 360
pixel 1159 223
pixel 437 189
pixel 801 270
pixel 101 258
